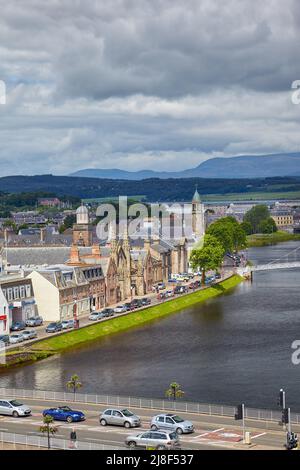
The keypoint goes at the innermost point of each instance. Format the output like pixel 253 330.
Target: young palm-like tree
pixel 48 429
pixel 174 391
pixel 74 384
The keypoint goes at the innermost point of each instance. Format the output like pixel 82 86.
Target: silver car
pixel 29 334
pixel 16 338
pixel 171 422
pixel 119 417
pixel 120 309
pixel 66 324
pixel 154 440
pixel 14 408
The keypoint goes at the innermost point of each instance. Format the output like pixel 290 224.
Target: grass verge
pixel 271 238
pixel 98 330
pixel 69 340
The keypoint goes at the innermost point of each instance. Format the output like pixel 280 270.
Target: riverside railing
pixel 147 403
pixel 55 443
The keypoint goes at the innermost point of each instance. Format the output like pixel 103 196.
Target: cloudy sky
pixel 135 84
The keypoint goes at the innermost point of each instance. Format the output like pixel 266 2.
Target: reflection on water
pixel 234 348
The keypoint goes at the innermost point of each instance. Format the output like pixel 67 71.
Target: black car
pixel 54 327
pixel 137 303
pixel 146 301
pixel 128 306
pixel 107 312
pixel 4 339
pixel 18 326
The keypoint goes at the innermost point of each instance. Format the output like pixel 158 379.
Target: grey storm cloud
pixel 140 83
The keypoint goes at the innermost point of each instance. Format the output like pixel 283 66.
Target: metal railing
pixel 148 403
pixel 55 443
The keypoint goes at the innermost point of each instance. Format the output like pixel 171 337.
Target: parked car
pixel 107 312
pixel 171 422
pixel 156 439
pixel 180 289
pixel 129 306
pixel 137 303
pixel 169 293
pixel 161 285
pixel 66 324
pixel 119 417
pixel 64 413
pixel 4 339
pixel 120 309
pixel 94 316
pixel 18 326
pixel 34 321
pixel 29 334
pixel 54 327
pixel 146 301
pixel 16 338
pixel 14 408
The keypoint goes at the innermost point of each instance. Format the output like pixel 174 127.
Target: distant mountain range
pixel 245 166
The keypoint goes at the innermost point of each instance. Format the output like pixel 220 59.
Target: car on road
pixel 180 289
pixel 137 303
pixel 29 334
pixel 4 339
pixel 169 293
pixel 119 417
pixel 66 324
pixel 161 285
pixel 64 413
pixel 94 316
pixel 14 408
pixel 120 309
pixel 18 326
pixel 54 327
pixel 154 439
pixel 146 301
pixel 128 306
pixel 34 321
pixel 16 338
pixel 107 312
pixel 171 422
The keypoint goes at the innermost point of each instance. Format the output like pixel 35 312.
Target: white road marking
pixel 208 432
pixel 258 435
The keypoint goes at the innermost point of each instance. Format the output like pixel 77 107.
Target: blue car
pixel 64 413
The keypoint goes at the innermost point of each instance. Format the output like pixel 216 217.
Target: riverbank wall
pixel 71 339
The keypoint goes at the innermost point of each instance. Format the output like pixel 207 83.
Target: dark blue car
pixel 64 413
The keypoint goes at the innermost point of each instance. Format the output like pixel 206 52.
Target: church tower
pixel 198 223
pixel 82 230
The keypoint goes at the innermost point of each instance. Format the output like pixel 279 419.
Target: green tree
pixel 247 227
pixel 256 215
pixel 222 231
pixel 267 226
pixel 48 429
pixel 174 391
pixel 69 221
pixel 209 257
pixel 74 384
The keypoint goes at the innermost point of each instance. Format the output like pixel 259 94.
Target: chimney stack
pixel 74 255
pixel 96 253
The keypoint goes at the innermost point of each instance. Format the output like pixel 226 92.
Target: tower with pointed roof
pixel 198 225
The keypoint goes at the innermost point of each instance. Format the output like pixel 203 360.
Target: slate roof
pixel 39 255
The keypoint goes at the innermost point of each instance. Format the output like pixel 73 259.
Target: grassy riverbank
pixel 271 238
pixel 57 344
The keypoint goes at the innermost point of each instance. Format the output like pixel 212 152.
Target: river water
pixel 235 348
